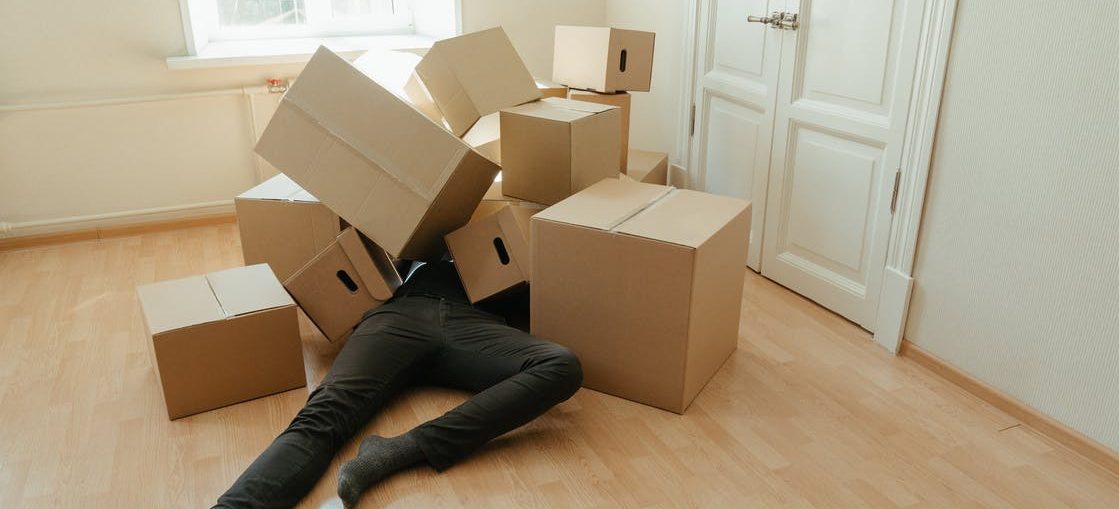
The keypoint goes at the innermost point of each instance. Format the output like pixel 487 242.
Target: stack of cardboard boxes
pixel 397 157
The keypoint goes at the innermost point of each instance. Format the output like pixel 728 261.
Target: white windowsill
pixel 291 51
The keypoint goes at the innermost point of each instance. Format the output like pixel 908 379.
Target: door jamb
pixel 937 24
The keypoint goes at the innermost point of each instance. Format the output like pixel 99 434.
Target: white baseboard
pixel 122 218
pixel 893 306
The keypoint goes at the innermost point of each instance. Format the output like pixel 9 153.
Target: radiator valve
pixel 277 86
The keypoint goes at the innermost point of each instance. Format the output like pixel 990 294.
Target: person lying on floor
pixel 428 333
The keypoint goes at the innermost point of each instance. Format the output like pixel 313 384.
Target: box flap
pixel 474 75
pixel 362 261
pixel 248 289
pixel 170 305
pixel 604 205
pixel 279 187
pixel 584 106
pixel 560 110
pixel 486 130
pixel 395 70
pixel 684 217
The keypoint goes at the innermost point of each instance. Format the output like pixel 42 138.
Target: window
pixel 247 32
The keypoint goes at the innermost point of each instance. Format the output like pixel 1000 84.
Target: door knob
pixel 765 20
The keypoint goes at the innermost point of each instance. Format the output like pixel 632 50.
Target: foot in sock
pixel 377 458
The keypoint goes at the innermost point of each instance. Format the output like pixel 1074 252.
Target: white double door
pixel 808 124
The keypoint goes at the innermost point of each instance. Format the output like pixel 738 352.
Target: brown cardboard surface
pixel 481 267
pixel 648 167
pixel 206 330
pixel 658 308
pixel 555 147
pixel 622 101
pixel 320 287
pixel 485 137
pixel 283 225
pixel 396 71
pixel 551 89
pixel 591 58
pixel 374 159
pixel 474 75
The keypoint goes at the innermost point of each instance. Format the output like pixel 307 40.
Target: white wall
pixel 59 164
pixel 655 116
pixel 1017 279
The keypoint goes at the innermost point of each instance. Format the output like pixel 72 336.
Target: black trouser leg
pixel 517 377
pixel 381 356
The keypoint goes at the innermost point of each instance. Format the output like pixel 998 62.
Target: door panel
pixel 849 68
pixel 735 93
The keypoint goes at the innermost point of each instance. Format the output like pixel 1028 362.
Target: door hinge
pixel 894 196
pixel 691 122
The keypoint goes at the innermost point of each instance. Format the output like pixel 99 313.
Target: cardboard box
pixel 485 137
pixel 474 75
pixel 551 89
pixel 648 166
pixel 603 59
pixel 491 252
pixel 344 281
pixel 644 284
pixel 553 148
pixel 374 159
pixel 283 225
pixel 222 338
pixel 621 100
pixel 396 72
pixel 494 200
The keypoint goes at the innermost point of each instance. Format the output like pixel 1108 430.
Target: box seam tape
pixel 645 206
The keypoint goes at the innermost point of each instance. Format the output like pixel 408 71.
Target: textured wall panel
pixel 1017 277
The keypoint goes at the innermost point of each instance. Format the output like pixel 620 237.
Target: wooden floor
pixel 806 414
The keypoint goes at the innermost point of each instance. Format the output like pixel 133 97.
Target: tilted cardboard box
pixel 222 338
pixel 396 72
pixel 344 281
pixel 603 59
pixel 648 166
pixel 491 252
pixel 283 225
pixel 475 74
pixel 644 284
pixel 374 159
pixel 621 100
pixel 553 148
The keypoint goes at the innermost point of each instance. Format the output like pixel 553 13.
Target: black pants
pixel 416 339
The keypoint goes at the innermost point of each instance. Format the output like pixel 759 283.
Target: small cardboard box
pixel 283 225
pixel 551 89
pixel 344 281
pixel 491 252
pixel 474 75
pixel 621 100
pixel 644 284
pixel 375 159
pixel 222 338
pixel 553 148
pixel 648 166
pixel 603 59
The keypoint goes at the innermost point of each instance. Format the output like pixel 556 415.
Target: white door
pixel 736 90
pixel 846 78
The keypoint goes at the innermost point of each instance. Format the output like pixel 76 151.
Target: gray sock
pixel 377 458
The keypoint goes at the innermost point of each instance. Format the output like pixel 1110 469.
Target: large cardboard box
pixel 474 75
pixel 644 283
pixel 621 100
pixel 344 281
pixel 491 252
pixel 222 338
pixel 603 59
pixel 648 166
pixel 283 225
pixel 374 159
pixel 553 148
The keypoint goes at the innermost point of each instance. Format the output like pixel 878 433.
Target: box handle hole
pixel 622 62
pixel 502 254
pixel 347 281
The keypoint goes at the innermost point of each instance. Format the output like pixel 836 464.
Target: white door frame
pixel 920 132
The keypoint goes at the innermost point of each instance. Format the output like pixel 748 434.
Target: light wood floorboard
pixel 808 413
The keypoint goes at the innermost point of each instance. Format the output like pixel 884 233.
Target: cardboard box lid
pixel 684 217
pixel 485 131
pixel 180 303
pixel 279 188
pixel 560 110
pixel 604 205
pixel 359 113
pixel 474 75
